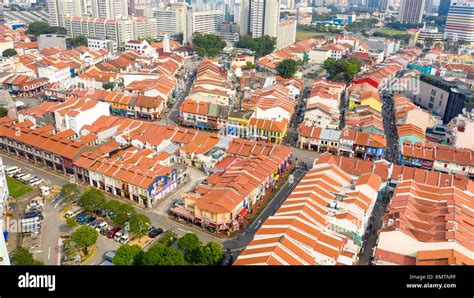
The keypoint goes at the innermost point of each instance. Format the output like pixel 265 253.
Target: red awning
pixel 182 212
pixel 242 212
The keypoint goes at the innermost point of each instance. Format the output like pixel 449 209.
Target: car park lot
pixel 54 222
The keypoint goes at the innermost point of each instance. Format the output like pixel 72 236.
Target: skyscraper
pixel 411 11
pixel 460 22
pixel 58 9
pixel 110 9
pixel 444 7
pixel 171 20
pixel 372 5
pixel 383 5
pixel 428 6
pixel 206 22
pixel 260 17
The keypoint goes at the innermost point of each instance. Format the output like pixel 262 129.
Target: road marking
pixel 49 253
pixel 38 251
pixel 179 229
pixel 57 203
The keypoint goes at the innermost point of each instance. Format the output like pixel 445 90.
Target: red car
pixel 113 231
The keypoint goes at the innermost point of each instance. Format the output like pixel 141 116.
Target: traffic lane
pixel 242 240
pixel 53 227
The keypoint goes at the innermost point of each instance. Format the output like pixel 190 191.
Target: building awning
pixel 242 212
pixel 182 212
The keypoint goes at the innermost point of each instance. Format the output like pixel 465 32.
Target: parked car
pixel 124 239
pixel 83 218
pixel 89 219
pixel 19 175
pixel 155 232
pixel 104 231
pixel 32 178
pixel 94 223
pixel 101 212
pixel 34 214
pixel 12 171
pixel 111 233
pixel 108 257
pixel 109 214
pixel 36 208
pixel 76 260
pixel 73 212
pixel 26 177
pixel 119 235
pixel 82 213
pixel 34 203
pixel 37 182
pixel 101 225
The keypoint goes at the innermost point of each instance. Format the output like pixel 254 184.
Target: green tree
pixel 211 254
pixel 208 45
pixel 251 65
pixel 38 28
pixel 22 256
pixel 189 242
pixel 287 68
pixel 403 26
pixel 160 254
pixel 123 214
pixel 138 224
pixel 342 70
pixel 361 25
pixel 71 223
pixel 108 86
pixel 112 205
pixel 3 112
pixel 84 237
pixel 168 238
pixel 69 249
pixel 128 255
pixel 70 191
pixel 92 199
pixel 78 41
pixel 9 53
pixel 149 39
pixel 190 246
pixel 261 46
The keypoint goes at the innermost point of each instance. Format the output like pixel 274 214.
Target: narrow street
pixel 371 236
pixel 390 127
pixel 237 244
pixel 171 115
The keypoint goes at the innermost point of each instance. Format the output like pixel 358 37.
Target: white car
pixel 124 239
pixel 12 171
pixel 73 212
pixel 118 236
pixel 37 182
pixel 101 226
pixel 26 177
